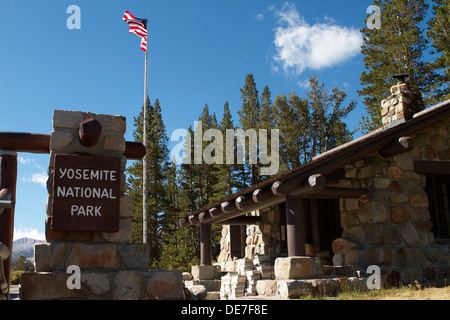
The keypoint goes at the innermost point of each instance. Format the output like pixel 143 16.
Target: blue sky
pixel 199 52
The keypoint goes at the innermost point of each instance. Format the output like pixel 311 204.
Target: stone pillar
pixel 110 266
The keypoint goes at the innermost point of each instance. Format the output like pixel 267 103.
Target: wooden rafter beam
pixel 241 221
pixel 300 187
pixel 339 193
pixel 432 166
pixel 398 146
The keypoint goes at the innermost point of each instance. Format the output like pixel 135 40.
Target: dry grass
pixel 412 292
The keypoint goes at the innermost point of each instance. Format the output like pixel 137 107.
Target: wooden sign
pixel 86 193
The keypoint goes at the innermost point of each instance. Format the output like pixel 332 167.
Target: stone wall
pixel 111 267
pixel 393 228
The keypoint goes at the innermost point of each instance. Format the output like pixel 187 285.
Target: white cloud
pixel 259 17
pixel 28 233
pixel 23 160
pixel 39 178
pixel 302 46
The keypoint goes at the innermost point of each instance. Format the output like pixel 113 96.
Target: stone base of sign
pixel 107 271
pixel 103 285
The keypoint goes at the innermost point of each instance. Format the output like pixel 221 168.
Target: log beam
pixel 298 187
pixel 401 145
pixel 339 193
pixel 40 143
pixel 241 221
pixel 432 166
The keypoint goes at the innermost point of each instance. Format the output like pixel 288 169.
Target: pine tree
pixel 439 35
pixel 226 172
pixel 157 162
pixel 266 122
pixel 206 171
pixel 249 117
pixel 397 47
pixel 312 125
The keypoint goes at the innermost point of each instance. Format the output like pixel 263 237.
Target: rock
pixel 425 225
pixel 373 212
pixel 164 285
pixel 410 235
pixel 399 214
pixel 377 256
pixel 67 119
pixel 355 234
pixel 349 219
pixel 419 199
pixel 204 272
pixel 351 257
pixel 395 186
pixel 60 139
pixel 341 245
pixel 48 286
pixel 395 172
pixel 127 286
pixel 93 256
pixel 294 289
pixel 295 268
pixel 48 256
pixel 412 256
pixel 198 292
pixel 186 276
pixel 123 235
pixel 114 143
pixel 266 287
pixel 96 282
pixel 351 204
pixel 135 256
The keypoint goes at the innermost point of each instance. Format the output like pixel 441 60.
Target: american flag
pixel 138 27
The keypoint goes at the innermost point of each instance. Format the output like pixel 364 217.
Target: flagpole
pixel 144 174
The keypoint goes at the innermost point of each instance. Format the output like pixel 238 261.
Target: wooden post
pixel 8 178
pixel 295 226
pixel 205 244
pixel 315 222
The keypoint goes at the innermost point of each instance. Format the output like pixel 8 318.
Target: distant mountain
pixel 24 247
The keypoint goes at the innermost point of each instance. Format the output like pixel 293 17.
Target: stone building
pixel 382 199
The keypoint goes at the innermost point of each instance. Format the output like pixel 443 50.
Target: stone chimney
pixel 402 104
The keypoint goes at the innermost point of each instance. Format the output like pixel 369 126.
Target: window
pixel 438 190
